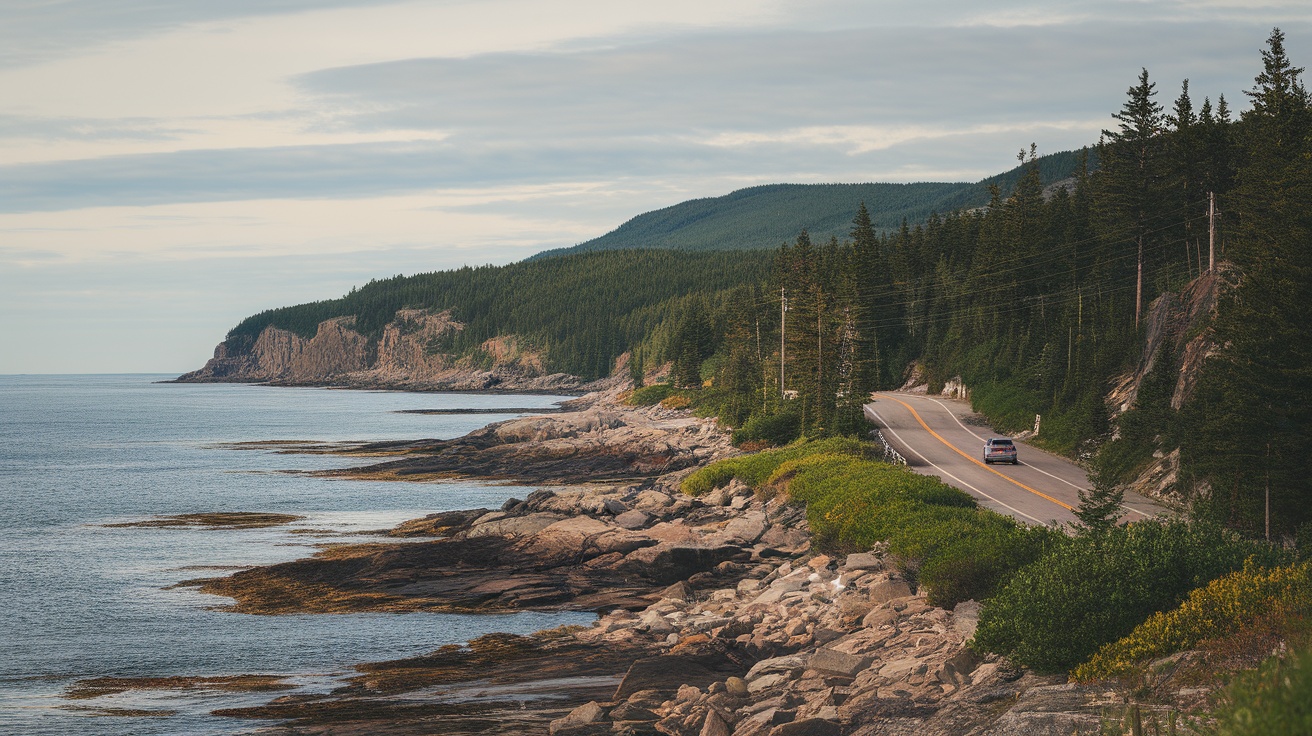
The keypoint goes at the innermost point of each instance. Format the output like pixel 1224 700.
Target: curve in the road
pixel 960 483
pixel 960 452
pixel 1043 490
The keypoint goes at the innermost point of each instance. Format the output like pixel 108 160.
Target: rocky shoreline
pixel 716 615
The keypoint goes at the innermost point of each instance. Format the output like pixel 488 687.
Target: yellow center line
pixel 955 449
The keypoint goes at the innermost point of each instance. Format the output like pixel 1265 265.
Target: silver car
pixel 1000 450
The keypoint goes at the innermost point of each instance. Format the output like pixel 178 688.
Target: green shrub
pixel 1219 609
pixel 755 469
pixel 777 429
pixel 653 394
pixel 1276 698
pixel 942 540
pixel 973 559
pixel 1085 592
pixel 678 401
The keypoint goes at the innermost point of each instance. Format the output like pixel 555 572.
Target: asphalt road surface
pixel 944 438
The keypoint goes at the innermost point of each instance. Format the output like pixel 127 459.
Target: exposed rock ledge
pixel 406 356
pixel 718 620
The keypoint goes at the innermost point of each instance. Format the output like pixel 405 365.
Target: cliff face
pixel 1178 328
pixel 406 356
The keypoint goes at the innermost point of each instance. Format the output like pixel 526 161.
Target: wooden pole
pixel 783 326
pixel 1211 231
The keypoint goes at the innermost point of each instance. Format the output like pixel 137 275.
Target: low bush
pixel 1086 592
pixel 777 429
pixel 1219 609
pixel 653 394
pixel 677 401
pixel 1276 698
pixel 943 541
pixel 755 470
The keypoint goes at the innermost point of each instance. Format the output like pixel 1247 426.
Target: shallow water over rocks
pixel 87 597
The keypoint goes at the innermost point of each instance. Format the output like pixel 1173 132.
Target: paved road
pixel 944 438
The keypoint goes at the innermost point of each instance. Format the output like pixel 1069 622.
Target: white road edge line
pixel 1035 467
pixel 953 477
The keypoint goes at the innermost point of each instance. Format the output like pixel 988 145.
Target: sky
pixel 168 167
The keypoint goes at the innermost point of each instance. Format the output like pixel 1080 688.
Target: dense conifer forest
pixel 1037 302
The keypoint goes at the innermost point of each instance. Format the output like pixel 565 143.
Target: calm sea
pixel 79 599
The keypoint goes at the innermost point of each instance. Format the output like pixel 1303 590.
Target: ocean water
pixel 79 599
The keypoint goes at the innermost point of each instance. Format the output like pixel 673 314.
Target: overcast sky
pixel 168 167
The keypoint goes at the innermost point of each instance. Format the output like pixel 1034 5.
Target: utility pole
pixel 1138 286
pixel 783 327
pixel 765 379
pixel 1211 231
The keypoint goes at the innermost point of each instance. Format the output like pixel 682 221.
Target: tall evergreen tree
pixel 1251 422
pixel 1132 173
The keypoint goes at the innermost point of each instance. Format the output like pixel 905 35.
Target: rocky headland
pixel 716 616
pixel 409 355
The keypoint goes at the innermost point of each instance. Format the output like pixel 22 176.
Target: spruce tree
pixel 1100 506
pixel 1132 173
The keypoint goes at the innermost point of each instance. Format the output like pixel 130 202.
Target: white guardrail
pixel 890 455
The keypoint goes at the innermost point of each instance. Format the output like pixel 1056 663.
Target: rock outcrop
pixel 716 618
pixel 407 355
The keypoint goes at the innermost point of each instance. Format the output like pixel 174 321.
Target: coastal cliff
pixel 408 355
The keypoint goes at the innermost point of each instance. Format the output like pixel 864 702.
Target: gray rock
pixel 714 725
pixel 863 561
pixel 765 682
pixel 581 716
pixel 807 727
pixel 964 661
pixel 538 498
pixel 655 623
pixel 746 529
pixel 514 526
pixel 878 617
pixel 615 507
pixel 678 592
pixel 740 502
pixel 634 519
pixel 888 590
pixel 965 618
pixel 835 662
pixel 632 712
pixel 792 664
pixel 489 516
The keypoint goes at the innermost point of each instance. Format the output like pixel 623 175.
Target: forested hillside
pixel 1042 303
pixel 765 216
pixel 582 311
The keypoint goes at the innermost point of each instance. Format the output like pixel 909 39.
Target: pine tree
pixel 1250 423
pixel 1131 158
pixel 1100 506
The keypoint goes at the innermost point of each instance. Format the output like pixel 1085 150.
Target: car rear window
pixel 1002 442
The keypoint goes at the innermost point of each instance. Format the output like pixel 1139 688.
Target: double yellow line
pixel 955 449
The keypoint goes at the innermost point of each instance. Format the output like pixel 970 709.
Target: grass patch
pixel 942 540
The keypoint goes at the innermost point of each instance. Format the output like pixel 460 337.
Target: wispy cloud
pixel 322 142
